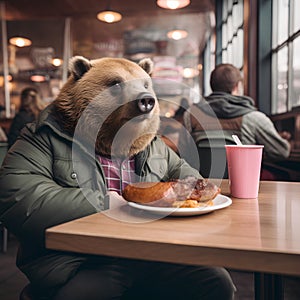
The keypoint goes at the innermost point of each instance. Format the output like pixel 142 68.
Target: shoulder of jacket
pixel 256 116
pixel 256 113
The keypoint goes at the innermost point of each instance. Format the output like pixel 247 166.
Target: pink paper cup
pixel 244 165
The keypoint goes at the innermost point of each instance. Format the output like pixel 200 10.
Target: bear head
pixel 109 103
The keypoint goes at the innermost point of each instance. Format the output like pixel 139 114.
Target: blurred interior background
pixel 260 37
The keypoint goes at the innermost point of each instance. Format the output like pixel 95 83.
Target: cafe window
pixel 232 32
pixel 208 63
pixel 37 63
pixel 228 38
pixel 285 56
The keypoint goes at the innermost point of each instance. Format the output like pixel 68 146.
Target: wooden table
pixel 260 235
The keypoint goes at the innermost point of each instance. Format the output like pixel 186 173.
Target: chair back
pixel 212 153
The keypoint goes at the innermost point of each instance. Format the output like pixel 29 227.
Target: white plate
pixel 220 202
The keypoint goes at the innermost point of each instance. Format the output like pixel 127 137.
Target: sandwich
pixel 184 193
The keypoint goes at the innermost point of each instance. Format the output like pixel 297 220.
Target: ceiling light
pixel 172 4
pixel 177 34
pixel 56 62
pixel 108 15
pixel 20 41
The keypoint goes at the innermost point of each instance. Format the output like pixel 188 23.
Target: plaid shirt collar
pixel 118 172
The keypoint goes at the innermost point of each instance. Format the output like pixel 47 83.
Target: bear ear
pixel 147 65
pixel 79 65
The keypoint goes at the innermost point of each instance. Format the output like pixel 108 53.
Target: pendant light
pixel 173 4
pixel 108 15
pixel 20 41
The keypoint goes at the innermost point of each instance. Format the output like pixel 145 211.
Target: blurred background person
pixel 30 107
pixel 226 109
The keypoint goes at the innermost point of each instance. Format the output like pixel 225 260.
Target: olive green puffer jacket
pixel 47 179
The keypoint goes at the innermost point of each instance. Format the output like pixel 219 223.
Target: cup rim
pixel 245 146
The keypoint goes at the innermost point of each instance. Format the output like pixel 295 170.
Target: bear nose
pixel 145 103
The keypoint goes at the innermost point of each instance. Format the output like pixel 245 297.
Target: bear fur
pixel 109 103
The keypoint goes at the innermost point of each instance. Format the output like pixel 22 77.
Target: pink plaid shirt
pixel 118 173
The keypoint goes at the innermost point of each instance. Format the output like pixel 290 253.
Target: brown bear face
pixel 110 103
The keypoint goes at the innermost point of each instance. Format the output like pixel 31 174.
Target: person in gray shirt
pixel 227 111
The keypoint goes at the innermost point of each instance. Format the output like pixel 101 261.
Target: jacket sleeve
pixel 258 129
pixel 177 167
pixel 30 199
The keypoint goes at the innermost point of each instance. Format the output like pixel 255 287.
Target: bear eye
pixel 115 87
pixel 114 82
pixel 146 85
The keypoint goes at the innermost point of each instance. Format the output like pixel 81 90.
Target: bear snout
pixel 145 103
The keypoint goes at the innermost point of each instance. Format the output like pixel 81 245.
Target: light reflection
pixel 190 72
pixel 38 78
pixel 177 34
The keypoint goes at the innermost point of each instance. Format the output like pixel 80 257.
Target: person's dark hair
pixel 224 78
pixel 31 101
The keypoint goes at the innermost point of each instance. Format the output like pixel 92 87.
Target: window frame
pixel 276 47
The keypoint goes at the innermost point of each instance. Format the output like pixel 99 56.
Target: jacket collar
pixel 47 118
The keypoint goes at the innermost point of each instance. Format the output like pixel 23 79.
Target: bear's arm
pixel 30 199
